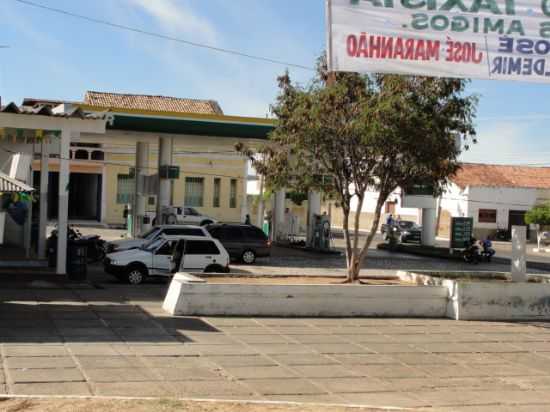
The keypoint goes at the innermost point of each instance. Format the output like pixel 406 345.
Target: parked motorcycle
pixel 473 253
pixel 95 245
pixel 392 236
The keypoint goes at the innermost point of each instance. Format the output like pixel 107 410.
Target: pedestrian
pixel 389 220
pixel 247 220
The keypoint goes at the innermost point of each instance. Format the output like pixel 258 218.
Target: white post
pixel 244 202
pixel 278 215
pixel 142 162
pixel 28 223
pixel 519 261
pixel 63 211
pixel 44 177
pixel 313 208
pixel 261 204
pixel 165 187
pixel 2 226
pixel 429 218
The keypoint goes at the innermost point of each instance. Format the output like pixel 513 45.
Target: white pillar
pixel 261 205
pixel 429 218
pixel 142 163
pixel 244 201
pixel 63 211
pixel 165 186
pixel 313 208
pixel 278 215
pixel 44 177
pixel 28 223
pixel 519 261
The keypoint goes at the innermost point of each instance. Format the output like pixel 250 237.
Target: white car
pixel 155 233
pixel 156 258
pixel 182 216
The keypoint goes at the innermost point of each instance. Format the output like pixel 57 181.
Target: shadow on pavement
pixel 71 320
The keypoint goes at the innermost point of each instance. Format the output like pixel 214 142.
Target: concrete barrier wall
pixel 187 297
pixel 500 301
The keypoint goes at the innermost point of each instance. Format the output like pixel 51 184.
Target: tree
pixel 540 216
pixel 345 134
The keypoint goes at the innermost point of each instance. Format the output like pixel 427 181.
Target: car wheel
pixel 206 222
pixel 136 275
pixel 248 257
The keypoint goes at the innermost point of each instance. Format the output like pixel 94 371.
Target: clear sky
pixel 55 56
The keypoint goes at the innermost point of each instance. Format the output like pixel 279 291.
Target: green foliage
pixel 297 197
pixel 345 133
pixel 539 215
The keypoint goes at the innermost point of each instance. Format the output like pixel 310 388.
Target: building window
pixel 98 155
pixel 217 192
pixel 194 191
pixel 233 194
pixel 390 207
pixel 125 189
pixel 81 155
pixel 487 216
pixel 152 200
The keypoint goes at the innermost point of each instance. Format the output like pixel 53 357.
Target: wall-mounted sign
pixel 484 39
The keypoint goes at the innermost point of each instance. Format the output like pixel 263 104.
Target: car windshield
pixel 153 245
pixel 151 234
pixel 406 225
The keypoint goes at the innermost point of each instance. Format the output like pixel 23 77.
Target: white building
pixel 495 196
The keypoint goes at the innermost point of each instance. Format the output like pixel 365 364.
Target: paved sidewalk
pixel 117 341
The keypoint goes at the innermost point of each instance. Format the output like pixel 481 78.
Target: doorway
pixel 517 218
pixel 84 195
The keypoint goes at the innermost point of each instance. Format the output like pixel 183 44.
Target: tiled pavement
pixel 117 341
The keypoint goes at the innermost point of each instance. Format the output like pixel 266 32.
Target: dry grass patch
pixel 161 405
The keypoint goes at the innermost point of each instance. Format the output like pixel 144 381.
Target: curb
pixel 427 253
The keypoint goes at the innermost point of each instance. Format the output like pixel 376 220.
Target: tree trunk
pixel 354 268
pixel 360 257
pixel 349 252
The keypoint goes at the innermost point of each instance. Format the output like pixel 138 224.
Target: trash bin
pixel 51 251
pixel 77 259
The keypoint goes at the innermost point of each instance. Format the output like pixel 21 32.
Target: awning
pixel 10 185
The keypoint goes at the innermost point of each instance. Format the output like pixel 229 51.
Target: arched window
pixel 98 155
pixel 81 155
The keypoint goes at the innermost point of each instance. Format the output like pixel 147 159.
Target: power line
pixel 163 36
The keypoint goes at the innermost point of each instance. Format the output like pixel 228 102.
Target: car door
pixel 199 254
pixel 232 240
pixel 162 258
pixel 255 240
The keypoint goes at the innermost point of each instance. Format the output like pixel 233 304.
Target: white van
pixel 197 254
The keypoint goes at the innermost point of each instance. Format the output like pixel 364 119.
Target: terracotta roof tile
pixel 502 176
pixel 152 103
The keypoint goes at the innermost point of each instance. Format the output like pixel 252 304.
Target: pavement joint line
pixel 206 400
pixel 279 364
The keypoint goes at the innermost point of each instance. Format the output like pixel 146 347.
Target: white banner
pixel 483 39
